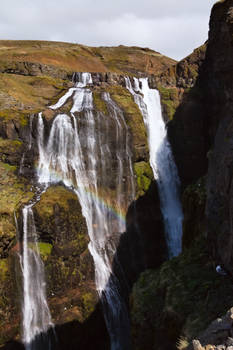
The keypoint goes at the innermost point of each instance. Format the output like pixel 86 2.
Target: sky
pixel 172 27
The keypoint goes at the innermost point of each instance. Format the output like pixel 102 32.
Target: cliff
pixel 174 304
pixel 35 75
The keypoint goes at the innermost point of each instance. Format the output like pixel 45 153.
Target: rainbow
pixel 101 200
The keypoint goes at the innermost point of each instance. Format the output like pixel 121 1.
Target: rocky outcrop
pixel 33 69
pixel 218 336
pixel 182 101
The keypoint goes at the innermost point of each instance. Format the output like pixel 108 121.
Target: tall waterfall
pixel 36 314
pixel 89 152
pixel 161 161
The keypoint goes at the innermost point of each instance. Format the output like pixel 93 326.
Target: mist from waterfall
pixel 35 311
pixel 161 161
pixel 83 148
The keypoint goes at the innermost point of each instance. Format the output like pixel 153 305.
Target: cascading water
pixel 83 148
pixel 35 310
pixel 161 161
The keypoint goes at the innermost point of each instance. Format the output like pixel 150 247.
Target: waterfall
pixel 161 161
pixel 35 310
pixel 89 152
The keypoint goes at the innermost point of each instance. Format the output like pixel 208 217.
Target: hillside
pixel 35 73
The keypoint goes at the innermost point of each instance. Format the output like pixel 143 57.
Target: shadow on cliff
pixel 142 246
pixel 89 335
pixel 190 134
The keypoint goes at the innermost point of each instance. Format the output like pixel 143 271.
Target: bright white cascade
pixel 82 149
pixel 161 161
pixel 35 310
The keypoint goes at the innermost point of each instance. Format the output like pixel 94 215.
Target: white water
pixel 35 310
pixel 161 161
pixel 82 151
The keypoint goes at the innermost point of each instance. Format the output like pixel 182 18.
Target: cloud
pixel 173 28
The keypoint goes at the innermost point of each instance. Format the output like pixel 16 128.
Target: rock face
pixel 182 101
pixel 218 70
pixel 200 104
pixel 218 336
pixel 173 304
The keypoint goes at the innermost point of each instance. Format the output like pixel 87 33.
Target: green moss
pixel 9 167
pixel 133 116
pixel 45 249
pixel 185 291
pixel 54 195
pixel 3 269
pixel 21 117
pixel 9 145
pixel 25 94
pixel 99 103
pixel 13 192
pixel 144 176
pixel 169 100
pixel 89 303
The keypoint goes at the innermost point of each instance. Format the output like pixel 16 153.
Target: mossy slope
pixel 63 243
pixel 181 298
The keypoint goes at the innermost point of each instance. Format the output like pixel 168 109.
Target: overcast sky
pixel 172 27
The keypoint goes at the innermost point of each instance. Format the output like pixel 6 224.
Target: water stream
pixel 161 161
pixel 89 152
pixel 36 315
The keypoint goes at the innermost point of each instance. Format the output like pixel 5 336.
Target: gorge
pixel 92 253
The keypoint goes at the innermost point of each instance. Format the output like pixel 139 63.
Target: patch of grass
pixel 54 195
pixel 13 192
pixel 99 103
pixel 45 249
pixel 11 114
pixel 27 94
pixel 144 176
pixel 169 100
pixel 81 58
pixel 89 303
pixel 133 116
pixel 3 269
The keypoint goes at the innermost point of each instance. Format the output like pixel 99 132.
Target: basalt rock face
pixel 219 70
pixel 201 136
pixel 182 102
